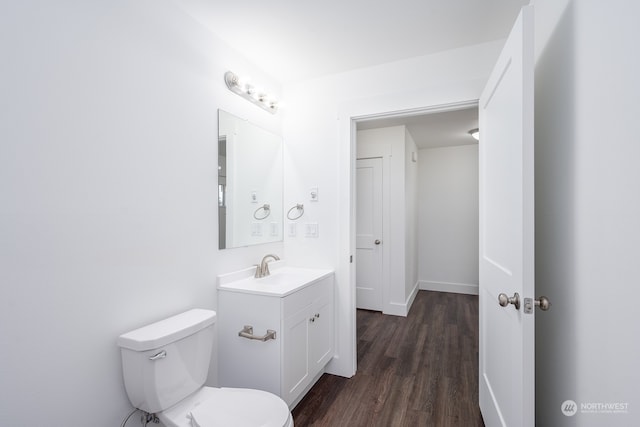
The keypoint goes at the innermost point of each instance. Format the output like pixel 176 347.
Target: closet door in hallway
pixel 369 256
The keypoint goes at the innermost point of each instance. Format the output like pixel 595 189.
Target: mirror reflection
pixel 249 183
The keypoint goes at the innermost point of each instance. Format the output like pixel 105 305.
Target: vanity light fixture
pixel 250 92
pixel 475 133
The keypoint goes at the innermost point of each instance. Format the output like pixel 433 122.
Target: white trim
pixel 440 108
pixel 456 288
pixel 402 309
pixel 396 309
pixel 413 295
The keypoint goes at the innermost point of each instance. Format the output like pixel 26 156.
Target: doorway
pixel 414 121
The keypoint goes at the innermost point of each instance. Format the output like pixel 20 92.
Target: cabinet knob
pixel 313 319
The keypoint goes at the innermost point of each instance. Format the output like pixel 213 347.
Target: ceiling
pixel 299 39
pixel 434 130
pixel 295 40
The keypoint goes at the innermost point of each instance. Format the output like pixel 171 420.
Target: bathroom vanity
pixel 275 333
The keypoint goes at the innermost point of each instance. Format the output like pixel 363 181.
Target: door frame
pixel 461 97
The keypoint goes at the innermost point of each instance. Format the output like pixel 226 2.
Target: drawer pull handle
pixel 247 332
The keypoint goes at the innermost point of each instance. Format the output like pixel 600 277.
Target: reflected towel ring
pixel 300 208
pixel 267 211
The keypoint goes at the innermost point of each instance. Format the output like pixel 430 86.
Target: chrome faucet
pixel 262 269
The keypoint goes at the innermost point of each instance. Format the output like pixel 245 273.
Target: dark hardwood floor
pixel 421 370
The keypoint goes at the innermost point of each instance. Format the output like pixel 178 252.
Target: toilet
pixel 165 365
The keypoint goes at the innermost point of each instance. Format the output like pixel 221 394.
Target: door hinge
pixel 351 259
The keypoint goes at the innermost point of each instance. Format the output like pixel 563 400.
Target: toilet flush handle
pixel 160 355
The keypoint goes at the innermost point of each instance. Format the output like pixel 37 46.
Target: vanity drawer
pixel 291 304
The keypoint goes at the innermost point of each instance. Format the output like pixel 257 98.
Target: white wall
pixel 448 210
pixel 318 135
pixel 108 182
pixel 587 209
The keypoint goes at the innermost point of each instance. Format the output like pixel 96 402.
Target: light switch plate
pixel 313 194
pixel 311 229
pixel 293 229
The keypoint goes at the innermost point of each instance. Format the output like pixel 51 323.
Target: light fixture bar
pixel 250 93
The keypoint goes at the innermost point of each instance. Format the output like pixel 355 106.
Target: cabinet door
pixel 321 332
pixel 295 355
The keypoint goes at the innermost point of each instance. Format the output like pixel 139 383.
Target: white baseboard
pixel 402 309
pixel 412 296
pixel 395 309
pixel 456 288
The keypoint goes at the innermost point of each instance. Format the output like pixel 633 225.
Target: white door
pixel 507 233
pixel 369 234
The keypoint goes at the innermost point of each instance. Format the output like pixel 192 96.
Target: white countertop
pixel 282 281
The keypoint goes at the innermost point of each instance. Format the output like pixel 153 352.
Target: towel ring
pixel 267 211
pixel 300 208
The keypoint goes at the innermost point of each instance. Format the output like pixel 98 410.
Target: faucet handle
pixel 258 271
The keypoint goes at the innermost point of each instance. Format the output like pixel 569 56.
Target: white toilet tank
pixel 166 361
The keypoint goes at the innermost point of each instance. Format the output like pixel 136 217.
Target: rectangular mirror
pixel 250 183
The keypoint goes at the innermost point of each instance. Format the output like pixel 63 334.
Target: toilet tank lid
pixel 168 330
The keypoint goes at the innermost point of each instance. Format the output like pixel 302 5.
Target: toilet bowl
pixel 165 366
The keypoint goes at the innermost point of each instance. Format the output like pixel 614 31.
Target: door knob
pixel 377 242
pixel 542 302
pixel 505 300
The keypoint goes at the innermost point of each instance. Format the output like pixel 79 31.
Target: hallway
pixel 421 370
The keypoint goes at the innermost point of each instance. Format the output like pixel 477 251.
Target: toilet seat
pixel 224 407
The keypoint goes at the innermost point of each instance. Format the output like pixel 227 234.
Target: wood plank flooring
pixel 421 370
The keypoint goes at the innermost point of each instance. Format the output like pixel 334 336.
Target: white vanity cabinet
pixel 307 336
pixel 300 311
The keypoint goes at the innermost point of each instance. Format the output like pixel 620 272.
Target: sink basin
pixel 282 281
pixel 285 275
